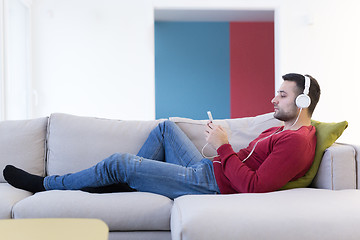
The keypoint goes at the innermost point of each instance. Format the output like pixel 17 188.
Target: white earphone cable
pixel 276 132
pixel 253 149
pixel 203 154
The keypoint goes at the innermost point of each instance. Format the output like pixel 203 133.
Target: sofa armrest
pixel 338 168
pixel 357 158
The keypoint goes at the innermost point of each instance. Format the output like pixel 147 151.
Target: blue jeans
pixel 168 164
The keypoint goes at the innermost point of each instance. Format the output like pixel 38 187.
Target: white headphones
pixel 303 100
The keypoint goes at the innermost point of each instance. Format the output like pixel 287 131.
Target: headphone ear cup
pixel 303 101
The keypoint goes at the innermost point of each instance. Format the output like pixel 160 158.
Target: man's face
pixel 284 102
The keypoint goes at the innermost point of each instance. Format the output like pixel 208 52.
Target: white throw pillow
pixel 241 131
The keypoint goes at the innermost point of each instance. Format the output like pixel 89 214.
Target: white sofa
pixel 65 143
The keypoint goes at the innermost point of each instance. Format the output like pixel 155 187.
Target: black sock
pixel 119 187
pixel 23 180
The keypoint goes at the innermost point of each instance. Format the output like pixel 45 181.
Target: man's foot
pixel 23 180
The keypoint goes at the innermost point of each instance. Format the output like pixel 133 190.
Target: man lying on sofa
pixel 169 164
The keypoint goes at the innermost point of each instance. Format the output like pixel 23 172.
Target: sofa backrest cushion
pixel 241 131
pixel 76 143
pixel 22 143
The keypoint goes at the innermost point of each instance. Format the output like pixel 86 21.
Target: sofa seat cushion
pixel 133 211
pixel 302 213
pixel 9 197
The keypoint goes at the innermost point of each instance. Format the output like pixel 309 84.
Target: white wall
pixel 2 65
pixel 328 49
pixel 15 101
pixel 96 57
pixel 93 57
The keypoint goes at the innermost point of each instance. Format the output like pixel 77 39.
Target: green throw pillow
pixel 326 134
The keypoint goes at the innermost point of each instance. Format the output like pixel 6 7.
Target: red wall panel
pixel 252 80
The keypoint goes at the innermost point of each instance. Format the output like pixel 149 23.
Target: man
pixel 169 164
pixel 281 154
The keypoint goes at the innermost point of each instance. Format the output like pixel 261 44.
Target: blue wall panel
pixel 192 69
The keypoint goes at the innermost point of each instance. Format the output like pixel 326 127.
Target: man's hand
pixel 215 135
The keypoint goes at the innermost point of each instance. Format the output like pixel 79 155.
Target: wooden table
pixel 53 229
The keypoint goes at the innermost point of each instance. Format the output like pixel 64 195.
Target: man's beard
pixel 285 116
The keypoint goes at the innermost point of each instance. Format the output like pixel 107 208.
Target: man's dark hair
pixel 314 91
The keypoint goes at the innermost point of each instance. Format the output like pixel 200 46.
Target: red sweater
pixel 276 160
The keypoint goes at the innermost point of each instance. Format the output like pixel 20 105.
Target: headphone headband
pixel 307 85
